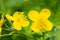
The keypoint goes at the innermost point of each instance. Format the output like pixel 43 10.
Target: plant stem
pixel 43 35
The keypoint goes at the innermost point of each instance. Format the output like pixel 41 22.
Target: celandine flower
pixel 26 0
pixel 1 23
pixel 40 20
pixel 19 20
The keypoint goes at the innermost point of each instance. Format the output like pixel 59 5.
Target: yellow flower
pixel 1 23
pixel 40 20
pixel 26 0
pixel 19 20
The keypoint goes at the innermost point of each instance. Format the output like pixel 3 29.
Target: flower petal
pixel 45 13
pixel 0 29
pixel 21 16
pixel 16 16
pixel 24 23
pixel 35 27
pixel 22 19
pixel 9 17
pixel 47 25
pixel 33 15
pixel 1 23
pixel 16 25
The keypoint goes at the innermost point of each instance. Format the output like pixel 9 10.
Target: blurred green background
pixel 10 6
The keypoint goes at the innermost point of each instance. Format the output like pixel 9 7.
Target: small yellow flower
pixel 19 20
pixel 1 23
pixel 26 0
pixel 40 20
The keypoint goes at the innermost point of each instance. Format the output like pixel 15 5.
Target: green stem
pixel 7 26
pixel 6 29
pixel 44 36
pixel 7 34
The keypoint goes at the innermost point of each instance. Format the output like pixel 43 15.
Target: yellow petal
pixel 21 15
pixel 9 17
pixel 24 23
pixel 45 13
pixel 1 23
pixel 33 15
pixel 16 16
pixel 35 27
pixel 0 29
pixel 47 25
pixel 16 25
